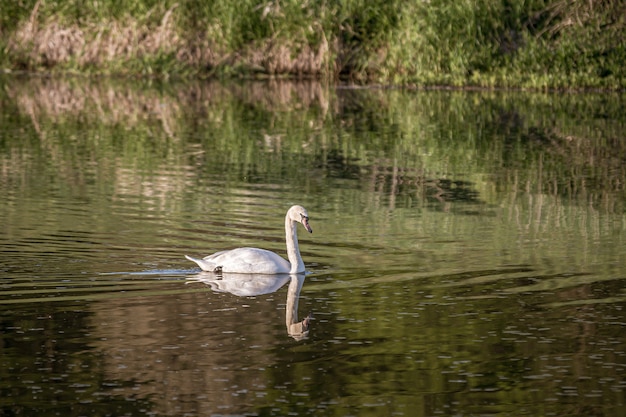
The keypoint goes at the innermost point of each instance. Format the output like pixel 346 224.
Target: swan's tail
pixel 204 265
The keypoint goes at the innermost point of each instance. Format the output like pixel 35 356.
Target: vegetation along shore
pixel 536 44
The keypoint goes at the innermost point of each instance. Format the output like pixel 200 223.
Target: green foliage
pixel 490 43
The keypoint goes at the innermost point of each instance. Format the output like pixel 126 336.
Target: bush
pixel 534 43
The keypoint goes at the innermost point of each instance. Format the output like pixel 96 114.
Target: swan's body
pixel 261 261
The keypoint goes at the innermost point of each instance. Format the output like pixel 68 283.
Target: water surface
pixel 467 256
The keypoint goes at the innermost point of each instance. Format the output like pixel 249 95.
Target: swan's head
pixel 300 215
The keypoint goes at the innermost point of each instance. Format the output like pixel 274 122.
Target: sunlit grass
pixel 486 43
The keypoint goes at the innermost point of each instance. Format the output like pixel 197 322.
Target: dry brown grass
pixel 562 14
pixel 279 58
pixel 51 44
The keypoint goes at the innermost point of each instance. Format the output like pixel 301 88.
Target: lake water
pixel 467 257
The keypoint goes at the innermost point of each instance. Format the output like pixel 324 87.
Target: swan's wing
pixel 251 261
pixel 244 261
pixel 210 258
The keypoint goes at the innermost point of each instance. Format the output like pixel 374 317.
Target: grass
pixel 486 43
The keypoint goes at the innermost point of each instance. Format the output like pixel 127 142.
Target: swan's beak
pixel 305 223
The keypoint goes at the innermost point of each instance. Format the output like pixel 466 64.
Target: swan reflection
pixel 249 285
pixel 297 329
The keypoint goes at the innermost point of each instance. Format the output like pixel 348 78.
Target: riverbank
pixel 560 44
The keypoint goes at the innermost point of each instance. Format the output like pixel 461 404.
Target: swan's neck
pixel 293 251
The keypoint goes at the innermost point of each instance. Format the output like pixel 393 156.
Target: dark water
pixel 468 254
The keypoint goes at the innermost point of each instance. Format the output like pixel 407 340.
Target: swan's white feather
pixel 244 261
pixel 261 261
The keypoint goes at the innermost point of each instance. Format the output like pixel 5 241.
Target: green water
pixel 468 254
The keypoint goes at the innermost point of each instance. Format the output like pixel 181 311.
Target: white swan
pixel 261 261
